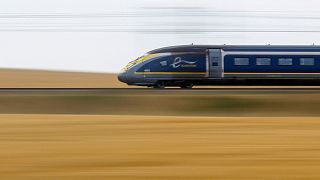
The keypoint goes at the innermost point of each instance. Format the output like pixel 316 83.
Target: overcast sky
pixel 103 35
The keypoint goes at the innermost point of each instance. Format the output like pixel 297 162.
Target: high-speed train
pixel 189 65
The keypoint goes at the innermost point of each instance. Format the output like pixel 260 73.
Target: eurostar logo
pixel 178 62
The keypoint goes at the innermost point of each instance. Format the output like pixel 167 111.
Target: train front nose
pixel 123 77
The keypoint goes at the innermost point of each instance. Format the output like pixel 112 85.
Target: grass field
pixel 149 147
pixel 153 134
pixel 162 103
pixel 15 78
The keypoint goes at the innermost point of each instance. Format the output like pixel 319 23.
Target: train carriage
pixel 186 66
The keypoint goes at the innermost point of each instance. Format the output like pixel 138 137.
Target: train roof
pixel 203 48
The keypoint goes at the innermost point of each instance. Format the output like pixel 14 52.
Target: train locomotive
pixel 189 65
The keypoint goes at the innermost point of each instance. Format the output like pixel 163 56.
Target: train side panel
pixel 274 66
pixel 176 66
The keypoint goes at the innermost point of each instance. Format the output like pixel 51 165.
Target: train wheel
pixel 160 85
pixel 187 85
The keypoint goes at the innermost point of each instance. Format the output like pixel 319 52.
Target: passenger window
pixel 241 61
pixel 285 62
pixel 307 61
pixel 263 61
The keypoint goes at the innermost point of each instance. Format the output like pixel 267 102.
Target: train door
pixel 215 63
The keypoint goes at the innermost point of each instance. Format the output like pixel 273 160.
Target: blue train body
pixel 186 66
pixel 176 63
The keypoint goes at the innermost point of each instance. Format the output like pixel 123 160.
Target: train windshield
pixel 138 61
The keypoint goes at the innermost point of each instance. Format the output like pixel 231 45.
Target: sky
pixel 104 35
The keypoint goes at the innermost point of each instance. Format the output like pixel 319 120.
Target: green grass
pixel 163 104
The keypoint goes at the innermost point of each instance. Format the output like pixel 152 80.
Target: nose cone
pixel 122 77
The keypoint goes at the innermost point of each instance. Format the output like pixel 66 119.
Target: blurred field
pixel 153 134
pixel 162 102
pixel 20 78
pixel 149 147
pixel 14 78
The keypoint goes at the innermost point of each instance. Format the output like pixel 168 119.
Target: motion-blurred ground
pixel 152 102
pixel 14 78
pixel 149 147
pixel 153 134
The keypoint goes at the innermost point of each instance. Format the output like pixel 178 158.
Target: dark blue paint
pixel 155 64
pixel 274 68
